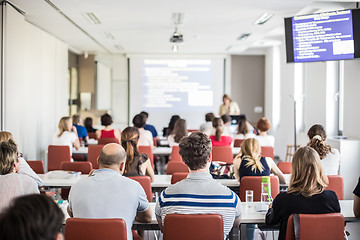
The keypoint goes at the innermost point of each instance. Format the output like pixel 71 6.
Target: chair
pixel 254 183
pixel 193 130
pixel 94 229
pixel 193 227
pixel 175 156
pixel 104 141
pixel 178 176
pixel 222 154
pixel 267 151
pixel 155 141
pixel 238 142
pixel 56 155
pixel 149 151
pixel 173 167
pixel 329 226
pixel 83 167
pixel 336 184
pixel 92 135
pixel 285 167
pixel 290 150
pixel 37 166
pixel 145 182
pixel 93 154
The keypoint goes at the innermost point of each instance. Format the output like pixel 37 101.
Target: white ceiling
pixel 143 26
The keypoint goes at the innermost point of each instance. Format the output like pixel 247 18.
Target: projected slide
pixel 327 36
pixel 181 84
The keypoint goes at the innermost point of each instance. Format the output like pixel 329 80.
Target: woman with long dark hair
pixel 180 130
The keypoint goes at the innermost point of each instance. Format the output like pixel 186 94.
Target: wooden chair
pixel 173 167
pixel 222 154
pixel 93 154
pixel 56 155
pixel 175 156
pixel 336 184
pixel 92 135
pixel 285 167
pixel 148 151
pixel 37 166
pixel 254 183
pixel 329 226
pixel 290 150
pixel 104 141
pixel 178 176
pixel 267 151
pixel 145 182
pixel 94 229
pixel 83 167
pixel 193 227
pixel 238 142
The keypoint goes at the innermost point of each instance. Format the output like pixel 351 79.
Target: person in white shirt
pixel 67 134
pixel 226 128
pixel 146 138
pixel 207 127
pixel 244 130
pixel 180 130
pixel 263 125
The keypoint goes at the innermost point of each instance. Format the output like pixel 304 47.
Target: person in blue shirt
pixel 149 127
pixel 81 130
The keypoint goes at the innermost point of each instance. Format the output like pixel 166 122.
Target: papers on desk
pixel 59 174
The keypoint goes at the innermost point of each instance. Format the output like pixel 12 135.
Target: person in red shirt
pixel 218 139
pixel 108 131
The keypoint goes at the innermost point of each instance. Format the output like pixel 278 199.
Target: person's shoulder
pixel 27 180
pixel 330 194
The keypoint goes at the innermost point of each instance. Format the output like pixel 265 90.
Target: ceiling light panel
pixel 263 18
pixel 91 17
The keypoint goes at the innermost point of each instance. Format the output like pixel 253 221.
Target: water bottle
pixel 265 189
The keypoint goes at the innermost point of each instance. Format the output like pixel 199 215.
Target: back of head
pixel 195 150
pixel 307 176
pixel 106 120
pixel 171 125
pixel 217 123
pixel 5 136
pixel 139 121
pixel 243 127
pixel 64 125
pixel 180 130
pixel 8 156
pixel 250 152
pixel 263 124
pixel 88 122
pixel 226 118
pixel 209 117
pixel 112 154
pixel 129 140
pixel 31 217
pixel 146 114
pixel 317 136
pixel 76 119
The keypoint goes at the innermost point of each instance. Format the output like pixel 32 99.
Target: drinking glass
pixel 249 197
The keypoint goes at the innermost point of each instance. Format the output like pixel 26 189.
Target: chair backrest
pixel 104 141
pixel 92 135
pixel 254 183
pixel 267 151
pixel 175 156
pixel 94 229
pixel 193 130
pixel 178 176
pixel 147 150
pixel 155 141
pixel 238 142
pixel 145 182
pixel 329 226
pixel 223 154
pixel 285 167
pixel 93 154
pixel 83 167
pixel 173 167
pixel 336 184
pixel 191 227
pixel 56 155
pixel 37 166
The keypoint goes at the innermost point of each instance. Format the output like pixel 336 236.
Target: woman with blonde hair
pixel 229 106
pixel 67 134
pixel 249 162
pixel 219 139
pixel 306 192
pixel 180 130
pixel 330 157
pixel 137 164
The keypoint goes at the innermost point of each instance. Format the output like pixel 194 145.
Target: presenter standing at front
pixel 229 107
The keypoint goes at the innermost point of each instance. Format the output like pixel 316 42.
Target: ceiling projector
pixel 176 37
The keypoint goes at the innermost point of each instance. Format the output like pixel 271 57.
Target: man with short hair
pixel 108 194
pixel 146 138
pixel 149 127
pixel 207 127
pixel 199 193
pixel 81 130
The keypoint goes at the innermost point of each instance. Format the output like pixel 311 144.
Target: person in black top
pixel 306 192
pixel 357 200
pixel 88 125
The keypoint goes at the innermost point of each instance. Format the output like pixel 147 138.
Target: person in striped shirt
pixel 199 193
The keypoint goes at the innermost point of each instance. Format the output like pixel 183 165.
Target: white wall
pixel 36 88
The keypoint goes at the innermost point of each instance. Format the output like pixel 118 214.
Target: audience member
pixel 306 192
pixel 67 134
pixel 137 164
pixel 199 193
pixel 149 127
pixel 227 122
pixel 88 123
pixel 218 139
pixel 108 194
pixel 244 130
pixel 32 217
pixel 330 157
pixel 24 166
pixel 207 126
pixel 357 200
pixel 229 107
pixel 108 132
pixel 12 184
pixel 180 130
pixel 263 125
pixel 146 138
pixel 249 162
pixel 81 130
pixel 168 130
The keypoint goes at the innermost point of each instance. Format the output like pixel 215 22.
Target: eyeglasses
pixel 20 155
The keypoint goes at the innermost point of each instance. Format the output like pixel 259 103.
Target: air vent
pixel 243 36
